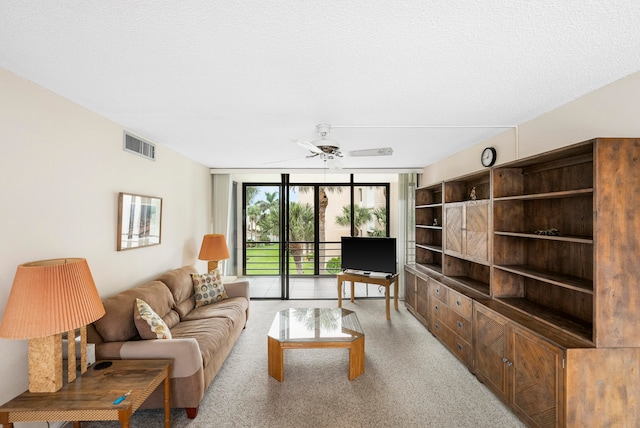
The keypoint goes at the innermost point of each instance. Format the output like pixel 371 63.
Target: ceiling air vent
pixel 139 147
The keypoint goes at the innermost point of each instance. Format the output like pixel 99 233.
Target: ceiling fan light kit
pixel 329 150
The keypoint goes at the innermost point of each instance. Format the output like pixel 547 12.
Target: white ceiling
pixel 231 83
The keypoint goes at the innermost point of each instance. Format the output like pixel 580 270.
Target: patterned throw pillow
pixel 148 323
pixel 208 288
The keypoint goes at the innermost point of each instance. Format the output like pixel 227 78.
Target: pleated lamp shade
pixel 214 248
pixel 50 297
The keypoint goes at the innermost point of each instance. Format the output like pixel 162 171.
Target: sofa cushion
pixel 208 288
pixel 212 335
pixel 181 285
pixel 148 323
pixel 118 322
pixel 233 308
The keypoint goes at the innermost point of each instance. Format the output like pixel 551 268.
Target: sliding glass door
pixel 293 232
pixel 262 229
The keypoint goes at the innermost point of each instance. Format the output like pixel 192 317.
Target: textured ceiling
pixel 231 83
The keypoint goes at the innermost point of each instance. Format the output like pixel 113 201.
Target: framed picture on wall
pixel 139 221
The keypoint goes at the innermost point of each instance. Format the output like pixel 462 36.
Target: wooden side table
pixel 383 281
pixel 91 396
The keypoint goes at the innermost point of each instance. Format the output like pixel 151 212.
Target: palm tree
pixel 269 224
pixel 251 193
pixel 300 230
pixel 380 215
pixel 322 215
pixel 272 202
pixel 361 217
pixel 253 216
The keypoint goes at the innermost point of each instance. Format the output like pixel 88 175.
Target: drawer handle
pixel 437 307
pixel 437 326
pixel 459 346
pixel 458 302
pixel 459 324
pixel 437 291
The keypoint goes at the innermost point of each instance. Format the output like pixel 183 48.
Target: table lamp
pixel 213 249
pixel 48 298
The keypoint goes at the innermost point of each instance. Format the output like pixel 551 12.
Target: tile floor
pixel 309 288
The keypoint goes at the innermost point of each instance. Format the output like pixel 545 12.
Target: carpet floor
pixel 410 380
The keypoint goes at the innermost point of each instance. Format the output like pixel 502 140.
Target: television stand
pixel 384 281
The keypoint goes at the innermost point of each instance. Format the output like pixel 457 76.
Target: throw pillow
pixel 148 323
pixel 208 288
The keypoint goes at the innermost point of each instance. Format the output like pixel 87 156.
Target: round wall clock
pixel 488 156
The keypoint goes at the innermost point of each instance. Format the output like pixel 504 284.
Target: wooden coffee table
pixel 91 396
pixel 299 328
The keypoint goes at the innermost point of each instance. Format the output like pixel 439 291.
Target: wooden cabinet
pixel 409 289
pixel 467 226
pixel 451 314
pixel 467 230
pixel 417 295
pixel 525 371
pixel 548 250
pixel 422 299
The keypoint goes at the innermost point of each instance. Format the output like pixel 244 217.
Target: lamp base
pixel 45 363
pixel 213 264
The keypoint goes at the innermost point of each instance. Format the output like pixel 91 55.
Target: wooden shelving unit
pixel 543 238
pixel 547 253
pixel 429 222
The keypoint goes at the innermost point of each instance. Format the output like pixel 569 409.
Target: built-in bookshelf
pixel 429 222
pixel 546 249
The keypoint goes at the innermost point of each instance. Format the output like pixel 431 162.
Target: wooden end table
pixel 382 281
pixel 91 396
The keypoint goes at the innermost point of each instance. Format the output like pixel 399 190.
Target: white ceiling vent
pixel 139 147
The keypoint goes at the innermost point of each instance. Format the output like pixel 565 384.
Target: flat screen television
pixel 368 255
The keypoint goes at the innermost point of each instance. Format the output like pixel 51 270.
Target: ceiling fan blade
pixel 383 151
pixel 308 146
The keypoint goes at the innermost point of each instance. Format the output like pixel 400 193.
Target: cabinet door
pixel 476 230
pixel 454 214
pixel 467 230
pixel 422 299
pixel 409 289
pixel 537 380
pixel 490 350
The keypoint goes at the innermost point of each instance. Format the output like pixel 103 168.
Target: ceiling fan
pixel 329 150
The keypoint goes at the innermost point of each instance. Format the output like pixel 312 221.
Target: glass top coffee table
pixel 301 328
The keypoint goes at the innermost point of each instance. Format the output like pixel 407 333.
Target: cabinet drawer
pixel 456 345
pixel 462 349
pixel 453 320
pixel 438 291
pixel 460 303
pixel 438 309
pixel 438 328
pixel 460 325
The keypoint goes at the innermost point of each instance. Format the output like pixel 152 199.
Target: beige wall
pixel 612 111
pixel 61 168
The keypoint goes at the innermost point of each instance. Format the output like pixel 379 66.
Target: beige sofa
pixel 202 337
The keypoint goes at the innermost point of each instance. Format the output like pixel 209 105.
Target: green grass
pixel 265 260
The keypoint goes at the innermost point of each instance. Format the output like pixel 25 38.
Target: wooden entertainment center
pixel 534 282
